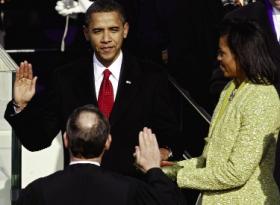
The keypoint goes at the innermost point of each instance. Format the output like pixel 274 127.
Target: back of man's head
pixel 87 131
pixel 104 6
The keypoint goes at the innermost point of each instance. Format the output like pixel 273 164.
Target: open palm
pixel 24 85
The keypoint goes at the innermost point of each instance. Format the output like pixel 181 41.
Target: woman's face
pixel 226 59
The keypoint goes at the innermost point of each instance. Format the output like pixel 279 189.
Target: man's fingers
pixel 154 141
pixel 30 71
pixel 147 153
pixel 138 159
pixel 33 83
pixel 24 74
pixel 20 70
pixel 145 137
pixel 141 140
pixel 25 70
pixel 137 153
pixel 150 138
pixel 17 73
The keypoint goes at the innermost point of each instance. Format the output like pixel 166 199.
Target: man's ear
pixel 108 142
pixel 126 29
pixel 86 32
pixel 65 140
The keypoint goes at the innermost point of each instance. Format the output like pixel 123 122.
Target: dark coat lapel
pixel 129 83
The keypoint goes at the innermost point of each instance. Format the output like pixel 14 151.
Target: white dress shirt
pixel 276 21
pixel 115 69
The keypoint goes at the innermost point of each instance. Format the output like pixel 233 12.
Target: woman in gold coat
pixel 237 163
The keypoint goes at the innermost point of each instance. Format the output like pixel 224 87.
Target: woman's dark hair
pixel 249 44
pixel 104 6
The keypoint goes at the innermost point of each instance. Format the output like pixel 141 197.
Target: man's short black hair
pixel 87 141
pixel 104 6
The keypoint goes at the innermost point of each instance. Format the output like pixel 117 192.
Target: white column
pixel 5 139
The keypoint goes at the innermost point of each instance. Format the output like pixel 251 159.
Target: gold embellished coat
pixel 237 163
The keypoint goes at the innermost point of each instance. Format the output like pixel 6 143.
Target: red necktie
pixel 106 95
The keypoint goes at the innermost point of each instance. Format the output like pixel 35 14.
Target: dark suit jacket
pixel 83 184
pixel 142 100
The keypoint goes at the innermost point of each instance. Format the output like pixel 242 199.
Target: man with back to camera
pixel 133 94
pixel 87 138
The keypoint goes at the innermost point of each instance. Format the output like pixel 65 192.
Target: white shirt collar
pixel 84 162
pixel 276 20
pixel 115 67
pixel 275 11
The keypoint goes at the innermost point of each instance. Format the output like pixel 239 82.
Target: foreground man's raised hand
pixel 147 153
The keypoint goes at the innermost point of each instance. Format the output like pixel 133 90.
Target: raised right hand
pixel 147 153
pixel 24 85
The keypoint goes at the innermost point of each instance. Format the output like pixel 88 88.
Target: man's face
pixel 275 4
pixel 106 32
